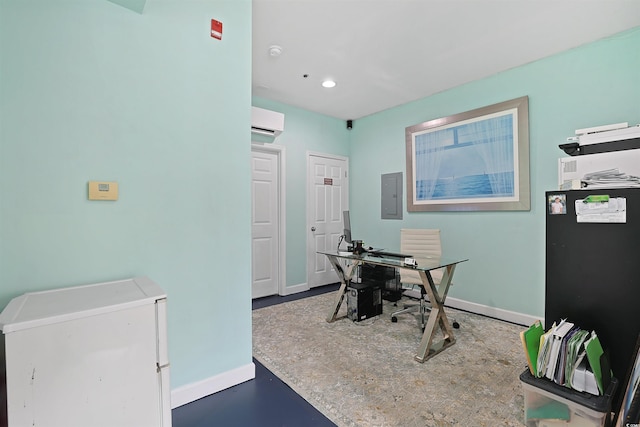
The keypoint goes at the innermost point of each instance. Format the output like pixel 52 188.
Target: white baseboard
pixel 497 313
pixel 191 392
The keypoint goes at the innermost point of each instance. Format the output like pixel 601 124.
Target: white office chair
pixel 419 243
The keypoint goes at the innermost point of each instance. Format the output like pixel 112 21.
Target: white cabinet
pixel 93 355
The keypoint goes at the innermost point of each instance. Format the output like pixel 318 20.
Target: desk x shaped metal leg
pixel 437 317
pixel 345 277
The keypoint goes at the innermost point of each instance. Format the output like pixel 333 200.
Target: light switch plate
pixel 102 190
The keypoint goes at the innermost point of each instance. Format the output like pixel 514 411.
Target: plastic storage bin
pixel 547 404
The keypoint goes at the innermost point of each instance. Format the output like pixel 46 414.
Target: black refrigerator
pixel 593 269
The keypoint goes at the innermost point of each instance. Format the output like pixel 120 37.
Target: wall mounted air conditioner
pixel 266 122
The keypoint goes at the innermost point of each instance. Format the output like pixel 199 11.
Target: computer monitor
pixel 347 226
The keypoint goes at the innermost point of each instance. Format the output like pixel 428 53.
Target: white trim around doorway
pixel 280 152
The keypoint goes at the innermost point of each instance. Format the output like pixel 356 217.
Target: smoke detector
pixel 275 51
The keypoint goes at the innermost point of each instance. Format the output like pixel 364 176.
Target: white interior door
pixel 327 197
pixel 265 223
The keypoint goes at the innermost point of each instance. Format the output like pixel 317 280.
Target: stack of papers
pixel 554 365
pixel 575 354
pixel 610 178
pixel 568 356
pixel 544 353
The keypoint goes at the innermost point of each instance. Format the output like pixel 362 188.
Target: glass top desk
pixel 437 293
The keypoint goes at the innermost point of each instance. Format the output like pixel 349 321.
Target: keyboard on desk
pixel 388 254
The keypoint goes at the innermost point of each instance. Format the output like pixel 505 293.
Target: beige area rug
pixel 364 374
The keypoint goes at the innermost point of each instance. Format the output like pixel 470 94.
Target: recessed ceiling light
pixel 328 83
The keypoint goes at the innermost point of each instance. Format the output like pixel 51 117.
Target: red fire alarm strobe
pixel 216 29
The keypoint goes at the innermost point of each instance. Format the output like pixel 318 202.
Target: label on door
pixel 328 181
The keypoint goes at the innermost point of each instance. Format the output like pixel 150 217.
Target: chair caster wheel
pixel 456 325
pixel 394 319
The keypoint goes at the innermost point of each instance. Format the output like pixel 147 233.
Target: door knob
pixel 313 229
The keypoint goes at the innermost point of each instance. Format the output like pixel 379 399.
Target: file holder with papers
pixel 546 400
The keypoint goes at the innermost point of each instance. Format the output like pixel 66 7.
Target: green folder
pixel 531 343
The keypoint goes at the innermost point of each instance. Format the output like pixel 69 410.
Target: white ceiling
pixel 385 53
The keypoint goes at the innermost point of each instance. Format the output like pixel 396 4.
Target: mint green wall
pixel 303 131
pixel 90 90
pixel 592 85
pixel 588 86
